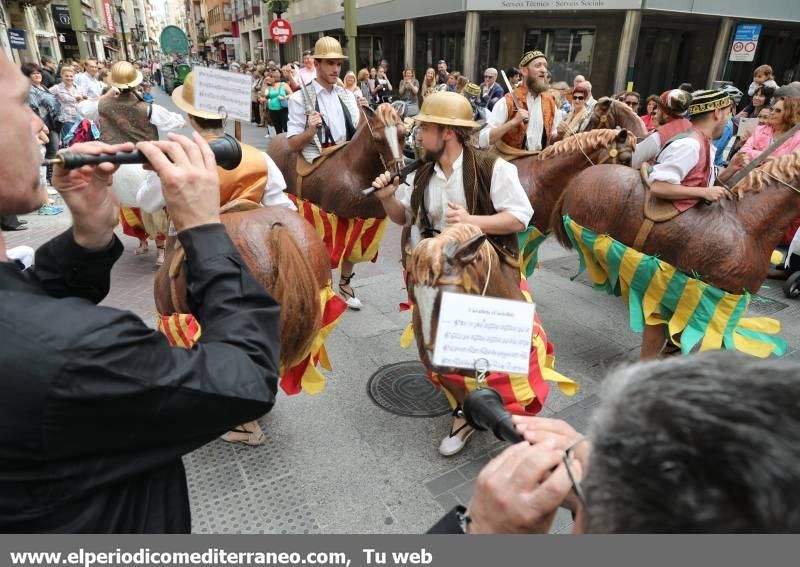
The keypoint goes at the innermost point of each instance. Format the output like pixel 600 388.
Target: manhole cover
pixel 403 388
pixel 762 305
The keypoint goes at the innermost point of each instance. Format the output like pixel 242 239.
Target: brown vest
pixel 700 174
pixel 125 119
pixel 517 137
pixel 477 170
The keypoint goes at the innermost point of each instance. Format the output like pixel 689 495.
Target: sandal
pixel 143 248
pixel 455 442
pixel 245 436
pixel 349 296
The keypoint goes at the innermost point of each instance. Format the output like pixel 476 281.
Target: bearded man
pixel 531 126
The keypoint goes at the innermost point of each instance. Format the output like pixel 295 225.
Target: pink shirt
pixel 760 140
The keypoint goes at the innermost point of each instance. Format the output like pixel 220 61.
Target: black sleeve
pixel 449 523
pixel 126 400
pixel 65 269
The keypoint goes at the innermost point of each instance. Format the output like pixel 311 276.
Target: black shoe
pixel 23 221
pixel 18 227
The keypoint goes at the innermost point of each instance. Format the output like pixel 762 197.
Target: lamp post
pixel 118 4
pixel 201 25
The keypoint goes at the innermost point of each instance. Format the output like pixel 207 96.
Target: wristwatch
pixel 463 519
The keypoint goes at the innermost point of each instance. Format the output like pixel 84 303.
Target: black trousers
pixel 280 119
pixel 9 222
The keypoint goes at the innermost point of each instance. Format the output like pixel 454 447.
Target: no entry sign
pixel 280 31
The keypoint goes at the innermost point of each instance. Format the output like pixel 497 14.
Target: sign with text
pixel 61 17
pixel 472 327
pixel 281 31
pixel 16 38
pixel 222 92
pixel 108 14
pixel 745 41
pixel 525 5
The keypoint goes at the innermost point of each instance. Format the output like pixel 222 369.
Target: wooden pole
pixel 237 130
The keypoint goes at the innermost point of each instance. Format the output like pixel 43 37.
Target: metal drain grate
pixel 761 305
pixel 403 388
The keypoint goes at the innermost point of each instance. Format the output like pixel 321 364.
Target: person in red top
pixel 684 173
pixel 669 122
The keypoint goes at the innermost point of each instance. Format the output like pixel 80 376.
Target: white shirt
pixel 160 117
pixel 499 116
pixel 506 192
pixel 329 107
pixel 646 150
pixel 678 159
pixel 90 85
pixel 150 198
pixel 308 75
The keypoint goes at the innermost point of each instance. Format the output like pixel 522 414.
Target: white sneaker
pixel 453 443
pixel 354 303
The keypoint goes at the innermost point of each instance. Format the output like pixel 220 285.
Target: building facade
pixel 653 44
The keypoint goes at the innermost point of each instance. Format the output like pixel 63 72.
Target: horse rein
pixel 398 161
pixel 612 153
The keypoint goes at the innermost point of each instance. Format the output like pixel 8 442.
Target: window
pixel 226 8
pixel 569 52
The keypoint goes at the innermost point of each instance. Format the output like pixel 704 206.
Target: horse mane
pixel 586 141
pixel 387 115
pixel 784 168
pixel 427 260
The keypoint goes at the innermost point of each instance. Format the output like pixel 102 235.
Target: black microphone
pixel 484 410
pixel 227 152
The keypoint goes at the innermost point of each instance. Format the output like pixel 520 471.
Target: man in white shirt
pixel 445 191
pixel 88 81
pixel 333 120
pixel 308 72
pixel 535 123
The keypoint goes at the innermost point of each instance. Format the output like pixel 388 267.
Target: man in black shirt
pixel 96 409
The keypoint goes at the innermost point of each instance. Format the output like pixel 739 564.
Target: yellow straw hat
pixel 328 48
pixel 124 75
pixel 447 108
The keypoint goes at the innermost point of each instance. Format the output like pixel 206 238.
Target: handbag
pixel 284 101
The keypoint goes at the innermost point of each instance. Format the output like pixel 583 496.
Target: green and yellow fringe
pixel 697 314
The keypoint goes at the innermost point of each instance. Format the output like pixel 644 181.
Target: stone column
pixel 410 44
pixel 721 51
pixel 626 56
pixel 472 40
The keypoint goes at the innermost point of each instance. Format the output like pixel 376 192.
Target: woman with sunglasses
pixel 576 120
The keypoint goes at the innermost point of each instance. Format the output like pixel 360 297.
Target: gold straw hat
pixel 124 75
pixel 183 97
pixel 328 48
pixel 447 108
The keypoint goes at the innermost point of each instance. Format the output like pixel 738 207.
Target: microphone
pixel 227 152
pixel 484 410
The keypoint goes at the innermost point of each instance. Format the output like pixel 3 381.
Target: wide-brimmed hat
pixel 792 89
pixel 183 97
pixel 328 47
pixel 674 102
pixel 707 101
pixel 447 108
pixel 124 75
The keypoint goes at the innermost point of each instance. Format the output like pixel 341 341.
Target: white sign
pixel 745 41
pixel 524 5
pixel 472 327
pixel 222 92
pixel 227 40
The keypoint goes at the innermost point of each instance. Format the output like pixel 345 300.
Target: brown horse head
pixel 610 113
pixel 388 133
pixel 460 260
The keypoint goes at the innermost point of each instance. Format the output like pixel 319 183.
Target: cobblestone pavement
pixel 338 463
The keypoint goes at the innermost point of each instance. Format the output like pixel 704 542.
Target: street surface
pixel 338 463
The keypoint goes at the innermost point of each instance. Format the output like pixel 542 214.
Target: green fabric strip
pixel 738 311
pixel 698 323
pixel 647 268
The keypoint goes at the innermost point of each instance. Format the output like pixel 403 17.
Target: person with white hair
pixel 491 91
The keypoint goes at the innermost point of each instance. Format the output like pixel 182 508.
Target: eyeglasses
pixel 488 76
pixel 578 98
pixel 569 455
pixel 632 103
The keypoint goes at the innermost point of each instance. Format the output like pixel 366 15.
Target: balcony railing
pixel 31 2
